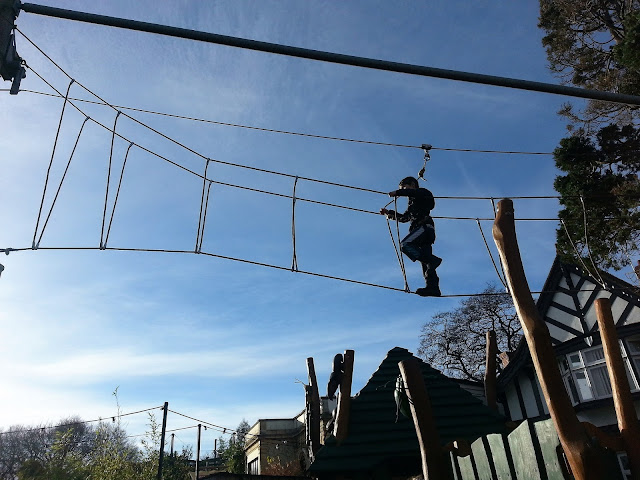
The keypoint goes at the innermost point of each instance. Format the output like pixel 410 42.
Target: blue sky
pixel 222 340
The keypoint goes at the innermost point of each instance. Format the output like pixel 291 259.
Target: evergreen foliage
pixel 595 44
pixel 603 171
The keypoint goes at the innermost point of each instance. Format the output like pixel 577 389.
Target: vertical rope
pixel 586 240
pixel 53 152
pixel 398 255
pixel 578 254
pixel 294 260
pixel 204 184
pixel 404 273
pixel 491 256
pixel 204 219
pixel 55 198
pixel 115 202
pixel 106 193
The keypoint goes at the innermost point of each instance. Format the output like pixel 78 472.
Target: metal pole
pixel 198 453
pixel 329 56
pixel 172 438
pixel 164 431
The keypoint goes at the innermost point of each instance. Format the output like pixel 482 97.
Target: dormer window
pixel 585 372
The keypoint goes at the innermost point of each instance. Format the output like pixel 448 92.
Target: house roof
pixel 377 434
pixel 566 304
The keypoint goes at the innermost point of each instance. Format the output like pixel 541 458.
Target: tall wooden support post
pixel 490 371
pixel 341 429
pixel 433 465
pixel 625 410
pixel 198 452
pixel 582 455
pixel 314 407
pixel 165 409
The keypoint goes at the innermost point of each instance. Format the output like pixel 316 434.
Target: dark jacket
pixel 421 202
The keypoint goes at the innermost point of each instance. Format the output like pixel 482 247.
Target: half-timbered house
pixel 567 306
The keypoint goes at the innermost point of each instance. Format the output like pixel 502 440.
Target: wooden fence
pixel 531 452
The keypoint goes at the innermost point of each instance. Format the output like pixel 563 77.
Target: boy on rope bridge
pixel 417 244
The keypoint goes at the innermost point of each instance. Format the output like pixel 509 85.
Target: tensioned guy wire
pixel 288 132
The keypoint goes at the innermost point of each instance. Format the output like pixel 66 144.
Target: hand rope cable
pixel 55 198
pixel 53 152
pixel 294 260
pixel 204 183
pixel 495 267
pixel 115 202
pixel 204 218
pixel 106 193
pixel 586 242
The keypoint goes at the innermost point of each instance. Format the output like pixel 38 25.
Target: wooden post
pixel 433 467
pixel 490 371
pixel 314 407
pixel 625 410
pixel 341 429
pixel 584 458
pixel 198 453
pixel 165 409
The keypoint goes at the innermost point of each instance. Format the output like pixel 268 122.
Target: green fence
pixel 531 452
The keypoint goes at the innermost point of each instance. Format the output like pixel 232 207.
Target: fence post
pixel 341 429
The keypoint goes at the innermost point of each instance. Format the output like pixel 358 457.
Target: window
pixel 623 462
pixel 252 468
pixel 585 372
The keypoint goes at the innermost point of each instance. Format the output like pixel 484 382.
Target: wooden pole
pixel 341 429
pixel 165 409
pixel 198 453
pixel 314 406
pixel 490 371
pixel 622 401
pixel 173 435
pixel 584 459
pixel 433 467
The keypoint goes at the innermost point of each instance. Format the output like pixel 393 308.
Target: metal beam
pixel 331 57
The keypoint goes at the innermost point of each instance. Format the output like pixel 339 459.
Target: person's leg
pixel 429 264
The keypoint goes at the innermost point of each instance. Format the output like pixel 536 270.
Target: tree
pixel 232 452
pixel 595 44
pixel 455 341
pixel 601 183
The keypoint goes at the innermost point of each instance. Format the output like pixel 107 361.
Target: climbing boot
pixel 429 291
